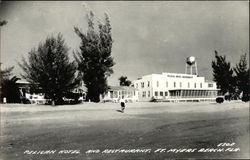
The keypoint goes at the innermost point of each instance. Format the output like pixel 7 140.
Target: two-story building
pixel 175 87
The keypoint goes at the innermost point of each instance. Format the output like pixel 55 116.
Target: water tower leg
pixel 186 69
pixel 196 70
pixel 191 69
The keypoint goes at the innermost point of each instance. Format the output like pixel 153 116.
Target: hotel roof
pixel 121 88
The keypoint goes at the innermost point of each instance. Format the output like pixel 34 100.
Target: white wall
pixel 133 98
pixel 145 92
pixel 165 82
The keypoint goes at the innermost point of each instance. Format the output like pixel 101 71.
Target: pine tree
pixel 94 58
pixel 242 76
pixel 223 74
pixel 50 68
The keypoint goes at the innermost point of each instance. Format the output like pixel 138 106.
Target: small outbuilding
pixel 115 93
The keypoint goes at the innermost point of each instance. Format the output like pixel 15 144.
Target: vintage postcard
pixel 124 80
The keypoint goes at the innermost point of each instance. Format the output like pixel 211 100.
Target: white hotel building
pixel 173 87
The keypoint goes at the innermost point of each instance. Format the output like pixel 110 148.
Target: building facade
pixel 35 95
pixel 115 93
pixel 175 87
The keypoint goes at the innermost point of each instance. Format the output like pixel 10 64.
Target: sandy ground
pixel 92 126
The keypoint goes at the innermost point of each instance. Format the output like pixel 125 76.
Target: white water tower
pixel 191 66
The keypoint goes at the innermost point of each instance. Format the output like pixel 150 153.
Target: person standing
pixel 122 101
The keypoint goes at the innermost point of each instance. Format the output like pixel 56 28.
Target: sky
pixel 149 37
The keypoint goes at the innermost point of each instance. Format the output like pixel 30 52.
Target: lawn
pixel 144 131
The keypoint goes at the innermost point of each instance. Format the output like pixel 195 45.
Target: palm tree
pixel 4 22
pixel 124 81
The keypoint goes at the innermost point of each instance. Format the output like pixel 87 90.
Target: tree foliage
pixel 94 58
pixel 6 73
pixel 124 81
pixel 242 75
pixel 49 67
pixel 223 74
pixel 3 22
pixel 9 88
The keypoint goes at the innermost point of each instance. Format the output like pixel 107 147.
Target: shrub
pixel 245 98
pixel 219 100
pixel 25 101
pixel 227 97
pixel 153 99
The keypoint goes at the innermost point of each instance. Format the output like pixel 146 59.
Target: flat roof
pixel 171 74
pixel 116 88
pixel 22 82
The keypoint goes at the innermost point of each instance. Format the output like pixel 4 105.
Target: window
pixel 157 83
pixel 148 83
pixel 166 93
pixel 188 85
pixel 136 85
pixel 144 94
pixel 130 94
pixel 142 84
pixel 174 84
pixel 200 85
pixel 180 84
pixel 210 85
pixel 115 94
pixel 148 93
pixel 194 85
pixel 111 94
pixel 161 93
pixel 167 84
pixel 156 93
